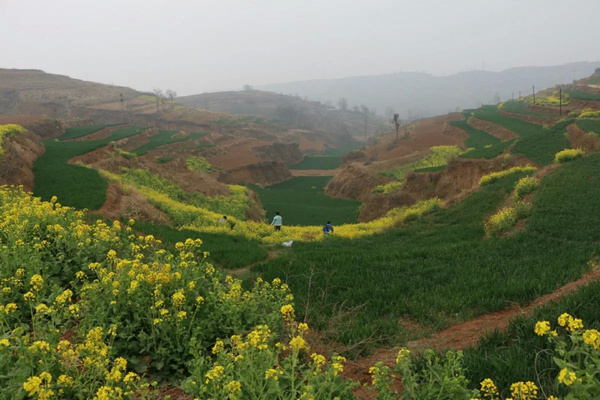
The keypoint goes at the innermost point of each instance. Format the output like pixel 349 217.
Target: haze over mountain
pixel 417 94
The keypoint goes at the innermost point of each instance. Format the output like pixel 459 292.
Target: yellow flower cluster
pixel 591 337
pixel 494 176
pixel 567 377
pixel 524 390
pixel 501 222
pixel 8 130
pixel 189 216
pixel 571 324
pixel 568 155
pixel 488 389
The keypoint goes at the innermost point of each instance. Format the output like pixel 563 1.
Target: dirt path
pixel 243 270
pixel 461 335
pixel 315 172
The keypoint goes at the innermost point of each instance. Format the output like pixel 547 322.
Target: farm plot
pixel 537 143
pixel 439 270
pixel 302 201
pixel 318 162
pixel 578 94
pixel 330 159
pixel 81 131
pixel 74 185
pixel 166 137
pixel 589 125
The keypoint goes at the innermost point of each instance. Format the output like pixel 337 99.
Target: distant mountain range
pixel 416 94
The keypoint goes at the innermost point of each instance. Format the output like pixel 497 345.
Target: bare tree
pixel 172 94
pixel 365 111
pixel 397 122
pixel 159 95
pixel 343 103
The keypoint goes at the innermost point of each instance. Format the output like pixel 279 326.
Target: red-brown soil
pixel 426 133
pixel 263 173
pixel 581 139
pixel 315 172
pixel 533 119
pixel 493 129
pixel 16 165
pixel 237 152
pixel 129 203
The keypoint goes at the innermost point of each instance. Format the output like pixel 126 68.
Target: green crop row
pixel 537 143
pixel 75 185
pixel 80 131
pixel 318 162
pixel 166 137
pixel 578 94
pixel 302 201
pixel 589 125
pixel 477 138
pixel 438 270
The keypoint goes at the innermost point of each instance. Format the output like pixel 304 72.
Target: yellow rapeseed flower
pixel 489 389
pixel 288 312
pixel 591 337
pixel 524 390
pixel 566 377
pixel 542 328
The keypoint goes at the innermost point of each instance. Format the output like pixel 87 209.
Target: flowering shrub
pixel 578 355
pixel 43 366
pixel 260 366
pixel 549 99
pixel 151 185
pixel 178 298
pixel 198 164
pixel 440 155
pixel 501 222
pixel 7 130
pixel 567 155
pixel 589 113
pixel 525 186
pixel 62 277
pixel 494 176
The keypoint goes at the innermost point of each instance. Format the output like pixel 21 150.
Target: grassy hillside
pixel 42 87
pixel 536 142
pixel 440 270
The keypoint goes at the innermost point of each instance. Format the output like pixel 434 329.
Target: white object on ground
pixel 288 243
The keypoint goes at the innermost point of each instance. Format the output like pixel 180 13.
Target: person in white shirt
pixel 277 221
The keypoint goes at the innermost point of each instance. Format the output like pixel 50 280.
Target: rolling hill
pixel 417 95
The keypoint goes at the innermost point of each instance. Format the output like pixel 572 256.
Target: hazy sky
pixel 193 46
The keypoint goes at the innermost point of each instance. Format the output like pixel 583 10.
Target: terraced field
pixel 301 201
pixel 537 143
pixel 75 185
pixel 165 137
